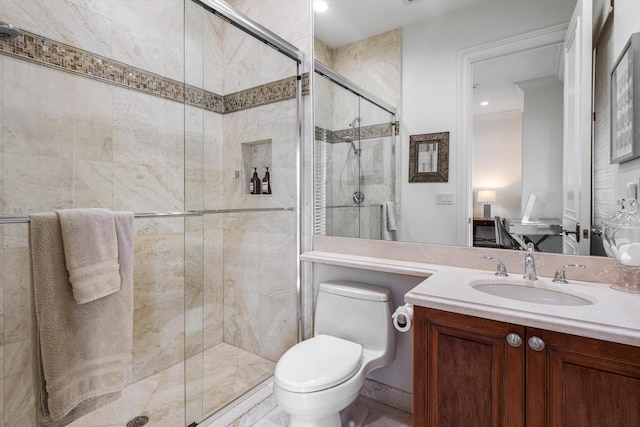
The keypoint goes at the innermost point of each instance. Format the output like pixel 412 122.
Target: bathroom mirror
pixel 433 34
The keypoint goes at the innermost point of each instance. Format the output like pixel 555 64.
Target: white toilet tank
pixel 356 312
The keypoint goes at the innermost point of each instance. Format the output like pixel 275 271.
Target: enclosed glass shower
pixel 355 163
pixel 241 280
pixel 163 111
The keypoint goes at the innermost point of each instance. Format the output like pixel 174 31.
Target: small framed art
pixel 429 157
pixel 625 103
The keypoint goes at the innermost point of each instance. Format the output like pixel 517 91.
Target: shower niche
pixel 256 154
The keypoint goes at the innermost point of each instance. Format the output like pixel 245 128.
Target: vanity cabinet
pixel 470 371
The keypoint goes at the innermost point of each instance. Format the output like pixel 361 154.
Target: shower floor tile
pixel 229 372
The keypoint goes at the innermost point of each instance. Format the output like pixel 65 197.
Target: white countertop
pixel 613 316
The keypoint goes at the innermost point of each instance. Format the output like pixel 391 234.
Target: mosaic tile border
pixel 60 56
pixel 379 130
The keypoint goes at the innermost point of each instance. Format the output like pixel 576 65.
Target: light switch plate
pixel 444 199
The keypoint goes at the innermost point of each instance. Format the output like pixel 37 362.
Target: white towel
pixel 388 221
pixel 91 252
pixel 390 207
pixel 83 350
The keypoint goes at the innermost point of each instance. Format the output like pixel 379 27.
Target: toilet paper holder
pixel 403 317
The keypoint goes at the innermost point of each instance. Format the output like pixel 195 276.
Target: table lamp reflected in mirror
pixel 487 197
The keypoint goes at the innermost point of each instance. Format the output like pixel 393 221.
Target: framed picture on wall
pixel 625 103
pixel 429 157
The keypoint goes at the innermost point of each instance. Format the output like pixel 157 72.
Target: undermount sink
pixel 521 291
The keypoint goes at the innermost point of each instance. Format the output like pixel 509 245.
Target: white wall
pixel 429 95
pixel 497 162
pixel 542 145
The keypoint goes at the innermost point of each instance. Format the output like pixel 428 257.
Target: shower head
pixel 353 123
pixel 8 31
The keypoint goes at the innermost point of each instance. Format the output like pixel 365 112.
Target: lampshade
pixel 486 196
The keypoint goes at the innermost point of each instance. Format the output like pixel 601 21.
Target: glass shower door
pixel 355 164
pixel 241 295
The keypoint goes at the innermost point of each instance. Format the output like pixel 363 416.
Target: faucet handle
pixel 502 270
pixel 559 278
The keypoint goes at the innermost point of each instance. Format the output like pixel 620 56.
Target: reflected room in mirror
pixel 499 89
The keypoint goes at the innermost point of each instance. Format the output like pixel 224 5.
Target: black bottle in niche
pixel 266 183
pixel 254 184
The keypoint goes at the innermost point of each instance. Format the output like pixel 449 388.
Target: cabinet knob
pixel 536 343
pixel 514 340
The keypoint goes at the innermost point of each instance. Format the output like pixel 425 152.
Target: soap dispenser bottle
pixel 266 183
pixel 254 184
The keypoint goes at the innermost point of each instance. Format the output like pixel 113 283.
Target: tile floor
pixel 230 372
pixel 379 416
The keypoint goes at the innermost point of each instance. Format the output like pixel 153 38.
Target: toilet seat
pixel 317 364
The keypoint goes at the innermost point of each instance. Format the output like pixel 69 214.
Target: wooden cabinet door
pixel 581 382
pixel 465 372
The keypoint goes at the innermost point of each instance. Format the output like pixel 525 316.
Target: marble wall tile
pixel 213 141
pixel 38 118
pixel 2 182
pixel 19 400
pixel 194 329
pixel 93 120
pixel 2 100
pixel 322 53
pixel 379 73
pixel 93 186
pixel 213 53
pixel 147 130
pixel 159 269
pixel 278 327
pixel 194 141
pixel 241 259
pixel 194 44
pixel 242 321
pixel 17 295
pixel 16 236
pixel 63 21
pixel 137 47
pixel 147 188
pixel 145 33
pixel 194 285
pixel 282 222
pixel 158 337
pixel 278 265
pixel 213 280
pixel 101 7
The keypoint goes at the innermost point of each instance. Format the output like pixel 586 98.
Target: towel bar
pixel 25 219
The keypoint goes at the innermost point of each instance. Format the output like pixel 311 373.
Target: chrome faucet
pixel 501 271
pixel 529 264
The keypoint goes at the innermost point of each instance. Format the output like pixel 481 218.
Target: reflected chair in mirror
pixel 503 238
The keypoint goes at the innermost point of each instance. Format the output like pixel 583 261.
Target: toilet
pixel 353 334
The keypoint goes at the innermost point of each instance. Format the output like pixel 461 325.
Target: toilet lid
pixel 317 364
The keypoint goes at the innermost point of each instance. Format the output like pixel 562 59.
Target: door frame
pixel 554 35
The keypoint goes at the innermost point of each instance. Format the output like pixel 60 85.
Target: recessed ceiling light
pixel 484 103
pixel 320 6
